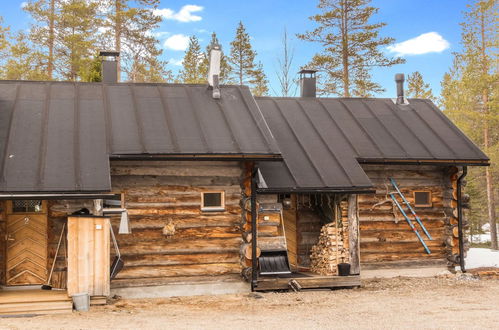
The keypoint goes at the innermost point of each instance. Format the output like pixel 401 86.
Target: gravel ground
pixel 458 302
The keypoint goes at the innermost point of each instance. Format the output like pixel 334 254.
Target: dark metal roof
pixel 323 140
pixel 59 136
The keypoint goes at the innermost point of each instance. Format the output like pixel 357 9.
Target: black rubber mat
pixel 274 263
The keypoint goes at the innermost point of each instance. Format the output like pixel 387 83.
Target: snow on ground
pixel 478 257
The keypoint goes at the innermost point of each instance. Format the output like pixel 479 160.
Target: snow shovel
pixel 118 263
pixel 48 286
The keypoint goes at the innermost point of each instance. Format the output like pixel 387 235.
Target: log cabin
pixel 200 189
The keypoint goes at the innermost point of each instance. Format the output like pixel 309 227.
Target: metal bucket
pixel 81 302
pixel 344 269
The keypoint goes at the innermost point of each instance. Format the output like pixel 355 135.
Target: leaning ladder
pixel 392 195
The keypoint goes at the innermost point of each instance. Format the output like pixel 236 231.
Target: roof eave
pixel 194 156
pixel 440 162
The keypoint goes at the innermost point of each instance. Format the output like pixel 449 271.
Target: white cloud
pixel 177 42
pixel 176 62
pixel 184 15
pixel 430 42
pixel 24 4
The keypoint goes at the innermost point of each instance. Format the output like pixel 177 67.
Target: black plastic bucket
pixel 344 269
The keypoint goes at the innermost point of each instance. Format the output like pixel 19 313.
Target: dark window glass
pixel 212 199
pixel 422 198
pixel 31 206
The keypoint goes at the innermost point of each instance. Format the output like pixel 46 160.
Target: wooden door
pixel 26 236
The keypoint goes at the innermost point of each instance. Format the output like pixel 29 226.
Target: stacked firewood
pixel 329 251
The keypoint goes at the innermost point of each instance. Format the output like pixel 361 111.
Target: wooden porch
pixel 306 281
pixel 34 302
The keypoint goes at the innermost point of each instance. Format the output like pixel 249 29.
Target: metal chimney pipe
pixel 399 79
pixel 109 66
pixel 308 83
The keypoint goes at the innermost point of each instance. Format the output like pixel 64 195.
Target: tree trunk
pixel 50 64
pixel 491 205
pixel 117 35
pixel 344 50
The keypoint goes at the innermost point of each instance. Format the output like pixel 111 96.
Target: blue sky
pixel 430 53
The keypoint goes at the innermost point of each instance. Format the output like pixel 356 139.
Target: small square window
pixel 422 199
pixel 213 201
pixel 27 206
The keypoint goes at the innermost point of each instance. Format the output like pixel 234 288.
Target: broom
pixel 48 286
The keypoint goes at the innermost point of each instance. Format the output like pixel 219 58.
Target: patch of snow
pixel 478 257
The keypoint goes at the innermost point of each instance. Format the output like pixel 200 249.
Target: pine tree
pixel 4 44
pixel 242 56
pixel 225 68
pixel 24 63
pixel 417 88
pixel 259 83
pixel 470 94
pixel 76 42
pixel 352 47
pixel 129 24
pixel 43 31
pixel 192 72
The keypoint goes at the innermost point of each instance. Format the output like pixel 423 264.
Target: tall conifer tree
pixel 352 47
pixel 128 30
pixel 192 72
pixel 242 56
pixel 417 88
pixel 470 95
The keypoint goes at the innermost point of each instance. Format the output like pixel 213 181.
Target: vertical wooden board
pixel 72 256
pixel 353 234
pixel 97 248
pixel 106 282
pixel 88 264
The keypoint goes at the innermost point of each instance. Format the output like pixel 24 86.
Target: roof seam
pixel 325 143
pixel 196 118
pixel 140 125
pixel 301 146
pixel 433 130
pixel 168 121
pixel 265 138
pixel 107 119
pixel 385 128
pixel 229 127
pixel 408 127
pixel 76 138
pixel 7 140
pixel 43 139
pixel 362 128
pixel 339 127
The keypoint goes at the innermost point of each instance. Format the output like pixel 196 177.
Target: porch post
pixel 353 234
pixel 254 263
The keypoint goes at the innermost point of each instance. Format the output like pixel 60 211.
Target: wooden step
pixel 15 302
pixel 34 307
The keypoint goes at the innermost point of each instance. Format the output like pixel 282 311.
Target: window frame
pixel 10 207
pixel 429 204
pixel 213 208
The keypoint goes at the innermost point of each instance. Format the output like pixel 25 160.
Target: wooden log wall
pixel 171 237
pixel 385 234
